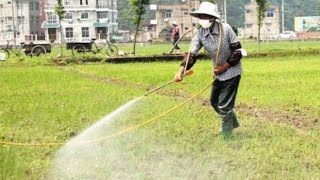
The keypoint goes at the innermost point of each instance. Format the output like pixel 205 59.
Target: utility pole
pixel 225 10
pixel 282 16
pixel 189 2
pixel 1 7
pixel 17 19
pixel 181 17
pixel 13 25
pixel 22 21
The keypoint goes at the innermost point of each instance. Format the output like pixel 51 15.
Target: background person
pixel 222 44
pixel 175 34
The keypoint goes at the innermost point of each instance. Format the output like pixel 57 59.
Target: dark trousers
pixel 223 96
pixel 174 42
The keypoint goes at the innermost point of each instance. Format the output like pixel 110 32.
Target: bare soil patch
pixel 297 118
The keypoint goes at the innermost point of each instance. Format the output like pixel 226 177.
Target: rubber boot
pixel 227 126
pixel 235 121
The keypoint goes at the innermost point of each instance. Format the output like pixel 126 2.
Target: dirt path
pixel 296 118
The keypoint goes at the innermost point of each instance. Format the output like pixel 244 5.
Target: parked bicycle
pixel 27 49
pixel 8 50
pixel 37 49
pixel 83 47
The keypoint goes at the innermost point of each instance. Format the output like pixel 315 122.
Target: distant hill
pixel 235 11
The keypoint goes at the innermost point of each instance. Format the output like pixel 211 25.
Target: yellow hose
pixel 115 134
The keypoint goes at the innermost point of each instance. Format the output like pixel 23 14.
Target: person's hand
pixel 221 69
pixel 179 76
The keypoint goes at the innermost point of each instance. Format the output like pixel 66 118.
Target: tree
pixel 261 14
pixel 59 10
pixel 138 7
pixel 124 18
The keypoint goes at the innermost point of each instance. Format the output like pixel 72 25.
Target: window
pixel 102 15
pixel 68 15
pixel 37 6
pixel 20 20
pixel 249 26
pixel 270 13
pixel 84 15
pixel 85 31
pixel 83 2
pixel 31 20
pixel 31 5
pixel 51 17
pixel 9 28
pixel 248 11
pixel 67 2
pixel 69 32
pixel 9 2
pixel 268 27
pixel 102 4
pixel 167 13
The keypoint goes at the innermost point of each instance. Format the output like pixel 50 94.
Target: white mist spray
pixel 82 159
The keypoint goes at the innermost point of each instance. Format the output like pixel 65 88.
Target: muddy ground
pixel 296 118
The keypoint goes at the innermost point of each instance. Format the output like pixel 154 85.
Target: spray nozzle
pixel 189 72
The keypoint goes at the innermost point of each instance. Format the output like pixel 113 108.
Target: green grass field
pixel 278 106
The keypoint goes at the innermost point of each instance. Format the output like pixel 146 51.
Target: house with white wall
pixel 20 20
pixel 270 25
pixel 178 12
pixel 83 20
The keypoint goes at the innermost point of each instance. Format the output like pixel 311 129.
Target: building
pixel 307 23
pixel 83 20
pixel 307 27
pixel 20 20
pixel 167 13
pixel 270 25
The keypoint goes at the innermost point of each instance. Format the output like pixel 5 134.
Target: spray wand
pixel 189 72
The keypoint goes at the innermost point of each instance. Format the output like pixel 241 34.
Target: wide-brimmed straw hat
pixel 206 8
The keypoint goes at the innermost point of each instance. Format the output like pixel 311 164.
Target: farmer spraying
pixel 223 46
